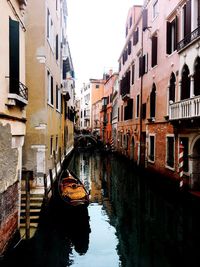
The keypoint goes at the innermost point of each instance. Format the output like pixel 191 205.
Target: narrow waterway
pixel 133 220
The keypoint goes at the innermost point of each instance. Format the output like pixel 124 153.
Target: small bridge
pixel 86 140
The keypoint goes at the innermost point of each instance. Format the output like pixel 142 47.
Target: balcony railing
pixel 18 90
pixel 185 109
pixel 188 39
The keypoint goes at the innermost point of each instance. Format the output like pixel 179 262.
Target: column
pixel 191 86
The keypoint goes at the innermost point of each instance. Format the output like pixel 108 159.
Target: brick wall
pixel 8 215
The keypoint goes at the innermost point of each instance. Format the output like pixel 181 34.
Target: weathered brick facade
pixel 8 215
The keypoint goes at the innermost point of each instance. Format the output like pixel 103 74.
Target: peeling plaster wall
pixel 9 196
pixel 8 159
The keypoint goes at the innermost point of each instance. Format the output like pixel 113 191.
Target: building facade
pixel 150 84
pixel 97 89
pixel 49 66
pixel 13 102
pixel 184 107
pixel 106 111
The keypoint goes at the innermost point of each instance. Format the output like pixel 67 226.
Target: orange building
pixel 97 89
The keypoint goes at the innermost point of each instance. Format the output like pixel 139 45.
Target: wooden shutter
pixel 14 56
pixel 51 90
pixel 144 19
pixel 154 50
pixel 57 47
pixel 168 38
pixel 188 17
pixel 176 32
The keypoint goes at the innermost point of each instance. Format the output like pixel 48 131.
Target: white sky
pixel 96 35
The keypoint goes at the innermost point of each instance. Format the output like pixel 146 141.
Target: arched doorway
pixel 195 157
pixel 185 83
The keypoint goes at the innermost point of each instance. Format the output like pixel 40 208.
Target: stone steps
pixel 36 203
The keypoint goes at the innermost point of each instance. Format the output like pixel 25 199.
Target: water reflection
pixel 156 224
pixel 133 220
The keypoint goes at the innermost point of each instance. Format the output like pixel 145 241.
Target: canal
pixel 133 220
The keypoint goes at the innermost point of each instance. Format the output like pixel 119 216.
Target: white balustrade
pixel 184 109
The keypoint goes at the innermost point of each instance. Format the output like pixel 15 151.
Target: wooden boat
pixel 72 190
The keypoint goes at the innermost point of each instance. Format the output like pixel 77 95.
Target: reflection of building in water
pixel 96 180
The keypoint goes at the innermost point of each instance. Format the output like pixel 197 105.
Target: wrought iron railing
pixel 18 88
pixel 188 39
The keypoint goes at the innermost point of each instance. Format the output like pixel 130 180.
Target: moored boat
pixel 72 190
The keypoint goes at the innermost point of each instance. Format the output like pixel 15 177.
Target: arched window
pixel 153 102
pixel 172 87
pixel 185 83
pixel 197 76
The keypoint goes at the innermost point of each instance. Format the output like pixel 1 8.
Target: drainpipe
pixel 141 95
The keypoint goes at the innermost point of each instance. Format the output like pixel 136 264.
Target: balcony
pixel 18 94
pixel 185 109
pixel 125 97
pixel 189 38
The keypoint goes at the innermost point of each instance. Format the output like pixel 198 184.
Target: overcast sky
pixel 96 35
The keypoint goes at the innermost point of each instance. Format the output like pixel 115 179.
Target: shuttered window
pixel 57 51
pixel 187 18
pixel 14 56
pixel 129 47
pixel 133 73
pixel 144 19
pixel 152 148
pixel 170 151
pixel 143 65
pixel 154 51
pixel 153 102
pixel 172 31
pixel 135 36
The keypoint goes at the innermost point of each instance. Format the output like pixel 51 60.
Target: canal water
pixel 134 219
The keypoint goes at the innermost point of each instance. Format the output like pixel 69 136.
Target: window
pixel 14 56
pixel 133 73
pixel 143 65
pixel 130 22
pixel 172 87
pixel 144 19
pixel 58 98
pixel 172 35
pixel 50 88
pixel 128 110
pixel 144 110
pixel 197 76
pixel 155 9
pixel 187 19
pixel 97 86
pixel 170 151
pixel 185 143
pixel 50 30
pixel 129 47
pixel 153 102
pixel 57 47
pixel 56 144
pixel 138 106
pixel 185 83
pixel 154 51
pixel 135 36
pixel 51 146
pixel 152 147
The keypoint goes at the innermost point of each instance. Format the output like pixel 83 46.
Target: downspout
pixel 141 95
